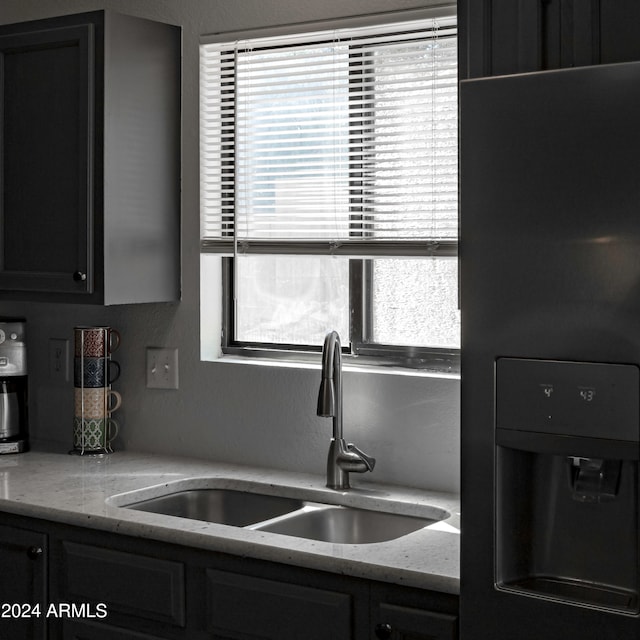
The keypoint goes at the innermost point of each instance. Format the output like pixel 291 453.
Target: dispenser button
pixel 587 394
pixel 547 390
pixel 3 361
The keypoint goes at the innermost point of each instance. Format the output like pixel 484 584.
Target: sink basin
pixel 346 525
pixel 292 512
pixel 222 506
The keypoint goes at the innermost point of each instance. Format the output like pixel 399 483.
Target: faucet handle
pixel 368 460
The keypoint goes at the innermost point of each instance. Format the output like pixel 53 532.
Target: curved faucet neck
pixel 332 375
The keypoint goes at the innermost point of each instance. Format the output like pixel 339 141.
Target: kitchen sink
pixel 298 514
pixel 222 506
pixel 346 525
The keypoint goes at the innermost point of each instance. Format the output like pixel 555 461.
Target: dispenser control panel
pixel 584 399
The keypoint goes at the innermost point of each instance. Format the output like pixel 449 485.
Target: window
pixel 329 189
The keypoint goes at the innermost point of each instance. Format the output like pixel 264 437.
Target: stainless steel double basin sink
pixel 292 516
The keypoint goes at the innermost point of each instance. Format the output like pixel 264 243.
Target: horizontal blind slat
pixel 352 138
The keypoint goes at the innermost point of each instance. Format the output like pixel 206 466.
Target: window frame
pixel 356 347
pixel 359 345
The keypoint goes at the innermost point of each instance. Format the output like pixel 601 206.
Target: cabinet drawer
pixel 244 606
pixel 127 583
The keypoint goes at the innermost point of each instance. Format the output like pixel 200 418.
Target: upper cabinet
pixel 90 160
pixel 500 37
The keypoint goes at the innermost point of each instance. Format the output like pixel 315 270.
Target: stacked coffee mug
pixel 93 428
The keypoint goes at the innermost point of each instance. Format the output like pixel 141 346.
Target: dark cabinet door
pixel 240 606
pixel 500 37
pixel 135 591
pixel 619 29
pixel 396 622
pixel 46 137
pixel 402 613
pixel 23 587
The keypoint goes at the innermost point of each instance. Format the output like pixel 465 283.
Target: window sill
pixel 349 364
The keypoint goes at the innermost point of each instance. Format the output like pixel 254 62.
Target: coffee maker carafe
pixel 13 387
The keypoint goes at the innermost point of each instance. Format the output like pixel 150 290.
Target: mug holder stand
pixel 81 433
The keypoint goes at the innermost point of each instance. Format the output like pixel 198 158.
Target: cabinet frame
pixel 193 575
pixel 115 202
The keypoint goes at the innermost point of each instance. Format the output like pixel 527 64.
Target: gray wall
pixel 245 414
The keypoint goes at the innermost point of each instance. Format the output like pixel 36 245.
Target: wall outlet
pixel 59 359
pixel 162 368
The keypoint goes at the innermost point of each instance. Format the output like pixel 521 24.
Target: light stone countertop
pixel 86 491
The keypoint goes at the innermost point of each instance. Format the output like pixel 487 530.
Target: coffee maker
pixel 13 387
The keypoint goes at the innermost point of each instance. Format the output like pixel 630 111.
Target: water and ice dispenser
pixel 567 443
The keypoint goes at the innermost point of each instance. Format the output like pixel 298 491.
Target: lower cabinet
pixel 23 583
pixel 93 585
pixel 410 614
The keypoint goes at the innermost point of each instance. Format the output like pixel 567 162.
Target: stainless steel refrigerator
pixel 550 297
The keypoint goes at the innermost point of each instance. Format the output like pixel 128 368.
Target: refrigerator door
pixel 550 270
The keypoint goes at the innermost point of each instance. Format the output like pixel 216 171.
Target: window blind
pixel 343 143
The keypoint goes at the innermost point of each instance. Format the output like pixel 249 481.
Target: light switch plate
pixel 162 368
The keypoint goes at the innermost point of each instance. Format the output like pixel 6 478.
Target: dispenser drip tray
pixel 577 591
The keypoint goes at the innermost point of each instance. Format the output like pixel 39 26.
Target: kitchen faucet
pixel 343 458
